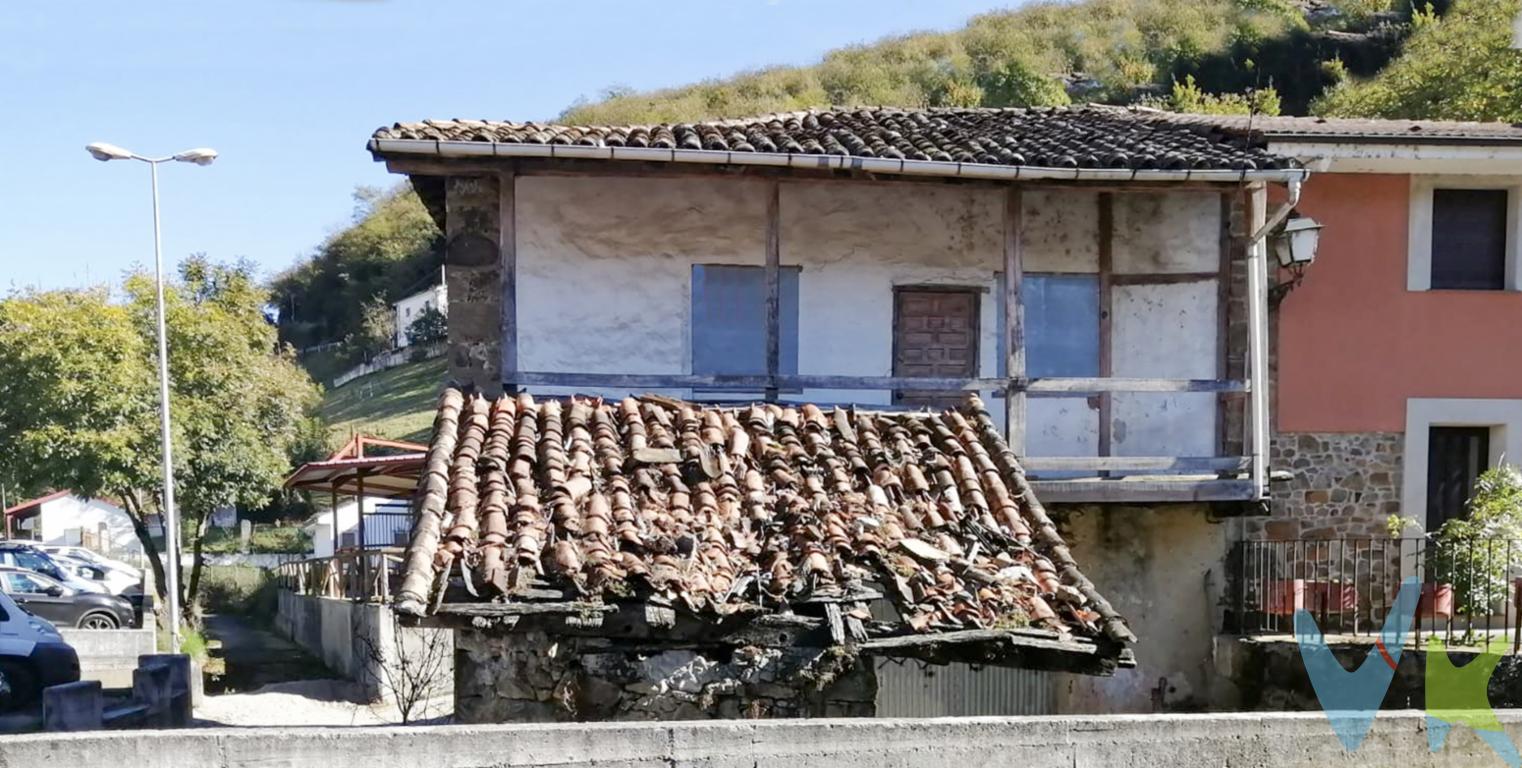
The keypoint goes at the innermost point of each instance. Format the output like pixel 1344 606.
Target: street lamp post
pixel 106 152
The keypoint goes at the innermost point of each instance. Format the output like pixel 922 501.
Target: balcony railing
pixel 1470 591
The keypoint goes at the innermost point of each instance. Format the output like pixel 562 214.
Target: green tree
pixel 377 328
pixel 391 248
pixel 1459 66
pixel 1189 97
pixel 78 398
pixel 429 326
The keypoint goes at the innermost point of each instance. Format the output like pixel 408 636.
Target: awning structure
pixel 349 471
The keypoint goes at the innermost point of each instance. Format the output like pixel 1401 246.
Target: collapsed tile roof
pixel 717 510
pixel 1078 137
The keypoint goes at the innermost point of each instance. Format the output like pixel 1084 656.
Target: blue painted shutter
pixel 729 320
pixel 1061 325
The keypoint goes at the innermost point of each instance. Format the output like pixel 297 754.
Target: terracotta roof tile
pixel 1052 137
pixel 720 509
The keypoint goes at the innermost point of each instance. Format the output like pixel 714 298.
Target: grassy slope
pixel 396 404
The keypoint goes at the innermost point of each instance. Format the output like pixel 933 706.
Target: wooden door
pixel 935 333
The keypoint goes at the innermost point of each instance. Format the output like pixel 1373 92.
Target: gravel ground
pixel 309 702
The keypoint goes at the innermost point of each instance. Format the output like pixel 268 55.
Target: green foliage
pixel 428 327
pixel 377 328
pixel 1459 66
pixel 1476 552
pixel 1189 97
pixel 79 398
pixel 265 539
pixel 1008 58
pixel 240 590
pixel 391 249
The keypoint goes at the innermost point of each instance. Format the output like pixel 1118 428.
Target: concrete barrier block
pixel 181 674
pixel 73 707
pixel 152 686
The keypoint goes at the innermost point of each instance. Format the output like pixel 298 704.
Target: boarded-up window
pixel 1061 325
pixel 729 320
pixel 1469 239
pixel 1455 458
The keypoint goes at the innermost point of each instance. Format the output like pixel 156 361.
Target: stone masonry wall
pixel 473 269
pixel 528 677
pixel 1344 485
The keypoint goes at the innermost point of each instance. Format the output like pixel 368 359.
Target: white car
pixel 116 582
pixel 94 558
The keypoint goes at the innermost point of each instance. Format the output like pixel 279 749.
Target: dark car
pixel 48 599
pixel 33 656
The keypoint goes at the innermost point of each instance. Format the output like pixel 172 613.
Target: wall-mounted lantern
pixel 1295 245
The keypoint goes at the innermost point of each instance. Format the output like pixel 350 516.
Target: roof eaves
pixel 382 148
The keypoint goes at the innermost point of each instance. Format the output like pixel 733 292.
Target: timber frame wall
pixel 477 200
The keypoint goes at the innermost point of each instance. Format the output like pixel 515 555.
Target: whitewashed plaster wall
pixel 62 519
pixel 605 265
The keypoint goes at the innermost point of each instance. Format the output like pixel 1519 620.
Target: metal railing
pixel 351 575
pixel 1471 591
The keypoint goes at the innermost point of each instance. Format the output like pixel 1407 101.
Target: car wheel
pixel 97 621
pixel 22 684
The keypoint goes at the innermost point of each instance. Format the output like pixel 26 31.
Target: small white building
pixel 387 522
pixel 407 310
pixel 65 519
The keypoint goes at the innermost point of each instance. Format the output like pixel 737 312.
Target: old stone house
pixel 1097 276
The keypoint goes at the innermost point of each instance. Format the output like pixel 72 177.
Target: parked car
pixel 33 656
pixel 94 558
pixel 57 603
pixel 116 582
pixel 33 559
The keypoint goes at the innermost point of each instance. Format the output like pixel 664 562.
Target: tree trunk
pixel 193 587
pixel 145 537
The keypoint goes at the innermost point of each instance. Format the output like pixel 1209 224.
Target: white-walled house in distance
pixel 65 519
pixel 408 309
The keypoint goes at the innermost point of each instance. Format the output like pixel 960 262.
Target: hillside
pixel 396 404
pixel 1112 51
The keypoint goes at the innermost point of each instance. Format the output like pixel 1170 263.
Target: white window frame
pixel 1419 245
pixel 1503 417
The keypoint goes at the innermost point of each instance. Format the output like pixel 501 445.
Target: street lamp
pixel 200 156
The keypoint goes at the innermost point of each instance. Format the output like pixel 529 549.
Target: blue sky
pixel 289 90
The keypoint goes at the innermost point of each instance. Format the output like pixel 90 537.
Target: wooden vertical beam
pixel 1106 202
pixel 1014 322
pixel 773 289
pixel 364 561
pixel 507 245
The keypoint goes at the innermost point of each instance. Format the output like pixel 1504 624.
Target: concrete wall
pixel 1257 740
pixel 348 635
pixel 109 655
pixel 1161 566
pixel 604 282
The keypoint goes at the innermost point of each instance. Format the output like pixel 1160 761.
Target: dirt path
pixel 252 657
pixel 267 680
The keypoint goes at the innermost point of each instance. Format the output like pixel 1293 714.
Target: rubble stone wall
pixel 531 678
pixel 1344 485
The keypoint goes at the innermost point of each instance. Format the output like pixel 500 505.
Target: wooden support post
pixel 507 245
pixel 1106 313
pixel 1257 337
pixel 364 560
pixel 1014 324
pixel 773 289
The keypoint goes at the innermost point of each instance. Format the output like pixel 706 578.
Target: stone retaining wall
pixel 1259 740
pixel 528 677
